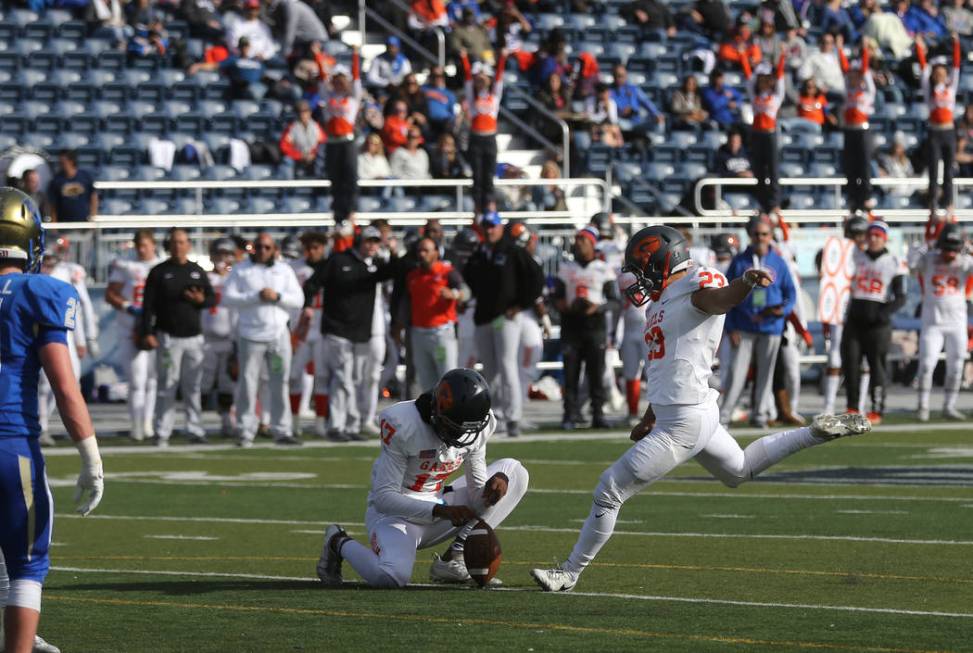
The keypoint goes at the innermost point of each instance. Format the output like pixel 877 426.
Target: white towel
pixel 239 155
pixel 162 153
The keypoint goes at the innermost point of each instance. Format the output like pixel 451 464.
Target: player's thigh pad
pixel 26 509
pixel 395 541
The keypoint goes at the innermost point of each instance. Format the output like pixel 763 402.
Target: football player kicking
pixel 36 312
pixel 684 323
pixel 409 508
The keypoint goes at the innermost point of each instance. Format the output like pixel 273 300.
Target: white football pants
pixel 931 341
pixel 498 344
pixel 253 355
pixel 434 352
pixel 680 433
pixel 394 541
pixel 179 363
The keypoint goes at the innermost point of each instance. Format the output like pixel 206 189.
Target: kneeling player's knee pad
pixel 609 493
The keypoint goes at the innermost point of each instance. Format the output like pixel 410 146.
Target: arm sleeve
pixel 235 295
pixel 388 475
pixel 356 76
pixel 498 79
pixel 314 285
pixel 957 62
pixel 842 61
pixel 897 301
pixel 292 296
pixel 475 469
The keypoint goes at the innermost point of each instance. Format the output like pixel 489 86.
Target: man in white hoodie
pixel 264 292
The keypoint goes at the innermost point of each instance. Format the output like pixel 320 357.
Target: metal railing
pixel 547 113
pixel 823 215
pixel 407 38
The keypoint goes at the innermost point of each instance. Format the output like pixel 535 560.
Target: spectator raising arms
pixel 857 154
pixel 483 107
pixel 939 87
pixel 340 106
pixel 766 95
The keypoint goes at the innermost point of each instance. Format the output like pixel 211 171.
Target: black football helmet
pixel 951 238
pixel 460 407
pixel 603 223
pixel 463 245
pixel 651 256
pixel 856 225
pixel 725 245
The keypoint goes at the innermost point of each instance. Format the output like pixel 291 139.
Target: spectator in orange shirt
pixel 395 130
pixel 301 142
pixel 812 105
pixel 740 46
pixel 434 288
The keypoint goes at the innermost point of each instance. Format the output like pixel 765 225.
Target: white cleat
pixel 329 564
pixel 46 440
pixel 448 571
pixel 922 414
pixel 554 580
pixel 953 414
pixel 41 646
pixel 831 427
pixel 371 429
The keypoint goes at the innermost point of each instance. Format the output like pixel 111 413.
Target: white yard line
pixel 619 436
pixel 549 529
pixel 199 538
pixel 872 512
pixel 599 595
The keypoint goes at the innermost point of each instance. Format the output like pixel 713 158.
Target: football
pixel 482 553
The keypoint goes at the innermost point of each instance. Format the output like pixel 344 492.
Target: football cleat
pixel 46 440
pixel 329 564
pixel 953 414
pixel 42 646
pixel 448 571
pixel 874 418
pixel 337 436
pixel 288 441
pixel 244 443
pixel 554 580
pixel 370 429
pixel 922 414
pixel 831 427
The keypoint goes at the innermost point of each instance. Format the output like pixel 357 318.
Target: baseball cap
pixel 371 233
pixel 492 219
pixel 393 40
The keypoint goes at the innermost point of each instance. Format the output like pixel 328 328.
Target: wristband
pixel 88 448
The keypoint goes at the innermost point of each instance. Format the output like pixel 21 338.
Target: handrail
pixel 362 24
pixel 326 183
pixel 565 130
pixel 836 182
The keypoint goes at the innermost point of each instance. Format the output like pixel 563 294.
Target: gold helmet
pixel 21 234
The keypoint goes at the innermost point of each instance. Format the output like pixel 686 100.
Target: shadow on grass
pixel 189 588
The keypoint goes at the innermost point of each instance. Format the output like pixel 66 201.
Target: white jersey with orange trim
pixel 682 341
pixel 131 273
pixel 873 278
pixel 410 473
pixel 586 281
pixel 946 287
pixel 611 253
pixel 218 320
pixel 303 270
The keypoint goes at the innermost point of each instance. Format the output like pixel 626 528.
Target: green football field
pixel 864 544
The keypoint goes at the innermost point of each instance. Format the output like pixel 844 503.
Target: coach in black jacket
pixel 504 280
pixel 349 280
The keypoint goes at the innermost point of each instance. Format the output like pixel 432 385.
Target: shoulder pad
pixel 54 302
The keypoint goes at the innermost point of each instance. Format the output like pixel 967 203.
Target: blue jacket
pixel 780 293
pixel 630 96
pixel 717 102
pixel 917 21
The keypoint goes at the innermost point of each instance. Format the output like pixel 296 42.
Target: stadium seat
pixel 820 169
pixel 38 140
pixel 262 205
pixel 152 206
pixel 148 173
pixel 625 173
pixel 369 204
pixel 259 172
pixel 656 172
pixel 72 141
pixel 220 173
pixel 90 156
pixel 126 155
pixel 690 170
pixel 115 173
pixel 115 207
pixel 72 29
pixel 802 201
pixel 185 173
pixel 740 201
pixel 14 125
pixel 223 123
pixel 400 204
pixel 297 205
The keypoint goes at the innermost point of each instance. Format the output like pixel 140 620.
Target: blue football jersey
pixel 34 310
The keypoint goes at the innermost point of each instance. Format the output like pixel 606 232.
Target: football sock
pixel 771 449
pixel 924 397
pixel 295 404
pixel 831 382
pixel 633 389
pixel 597 529
pixel 863 392
pixel 321 405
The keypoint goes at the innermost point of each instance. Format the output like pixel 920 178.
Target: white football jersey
pixel 218 320
pixel 682 341
pixel 410 472
pixel 75 274
pixel 945 289
pixel 586 282
pixel 304 272
pixel 131 273
pixel 873 278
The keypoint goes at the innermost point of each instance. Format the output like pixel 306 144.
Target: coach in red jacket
pixel 434 289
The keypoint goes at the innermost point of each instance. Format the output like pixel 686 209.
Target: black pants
pixel 583 345
pixel 341 164
pixel 766 168
pixel 942 147
pixel 482 157
pixel 856 159
pixel 872 342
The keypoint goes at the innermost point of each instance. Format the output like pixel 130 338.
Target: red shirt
pixel 429 308
pixel 812 107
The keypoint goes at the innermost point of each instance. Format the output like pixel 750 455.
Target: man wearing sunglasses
pixel 264 294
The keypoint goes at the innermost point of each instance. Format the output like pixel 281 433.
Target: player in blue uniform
pixel 36 312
